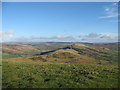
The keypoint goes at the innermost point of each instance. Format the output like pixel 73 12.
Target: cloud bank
pixel 44 39
pixel 8 36
pixel 101 37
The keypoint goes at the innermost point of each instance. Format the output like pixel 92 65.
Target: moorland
pixel 59 65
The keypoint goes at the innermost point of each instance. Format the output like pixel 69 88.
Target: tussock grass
pixel 49 75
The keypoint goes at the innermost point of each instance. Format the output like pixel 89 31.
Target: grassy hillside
pixel 17 50
pixel 98 53
pixel 11 50
pixel 113 46
pixel 80 53
pixel 48 75
pixel 65 66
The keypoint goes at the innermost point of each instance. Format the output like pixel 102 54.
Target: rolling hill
pixel 10 50
pixel 72 65
pixel 79 53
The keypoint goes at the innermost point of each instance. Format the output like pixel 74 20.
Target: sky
pixel 59 22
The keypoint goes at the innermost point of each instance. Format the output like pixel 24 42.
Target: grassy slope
pixel 11 50
pixel 62 68
pixel 45 75
pixel 97 52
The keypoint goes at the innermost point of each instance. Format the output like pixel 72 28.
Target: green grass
pixel 37 75
pixel 79 67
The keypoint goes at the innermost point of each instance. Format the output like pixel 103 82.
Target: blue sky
pixel 61 21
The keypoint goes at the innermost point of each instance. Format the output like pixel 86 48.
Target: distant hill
pixel 78 53
pixel 113 46
pixel 10 50
pixel 64 53
pixel 17 50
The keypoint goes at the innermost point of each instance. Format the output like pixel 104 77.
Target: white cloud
pixel 90 37
pixel 39 38
pixel 59 37
pixel 115 4
pixel 111 11
pixel 6 35
pixel 100 37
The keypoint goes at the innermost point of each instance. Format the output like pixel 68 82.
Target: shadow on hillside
pixel 43 53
